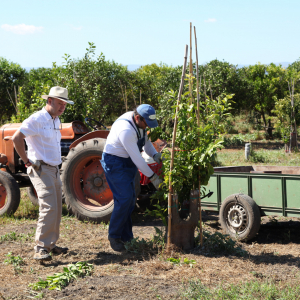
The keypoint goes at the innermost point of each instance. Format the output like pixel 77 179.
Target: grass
pixel 267 290
pixel 262 157
pixel 27 212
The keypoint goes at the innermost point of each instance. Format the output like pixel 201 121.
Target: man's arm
pixel 127 138
pixel 149 148
pixel 18 140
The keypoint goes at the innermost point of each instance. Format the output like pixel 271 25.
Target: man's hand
pixel 33 163
pixel 158 157
pixel 156 181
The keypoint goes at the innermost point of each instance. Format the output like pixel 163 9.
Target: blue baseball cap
pixel 148 113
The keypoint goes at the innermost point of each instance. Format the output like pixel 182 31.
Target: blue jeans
pixel 120 173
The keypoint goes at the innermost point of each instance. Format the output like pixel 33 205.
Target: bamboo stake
pixel 170 195
pixel 198 124
pixel 191 65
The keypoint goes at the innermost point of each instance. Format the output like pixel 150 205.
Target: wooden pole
pixel 198 124
pixel 191 65
pixel 170 195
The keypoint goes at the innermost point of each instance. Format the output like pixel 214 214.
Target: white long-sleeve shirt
pixel 122 142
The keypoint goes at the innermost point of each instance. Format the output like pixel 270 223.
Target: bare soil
pixel 273 255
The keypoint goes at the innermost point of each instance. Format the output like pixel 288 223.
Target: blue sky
pixel 37 33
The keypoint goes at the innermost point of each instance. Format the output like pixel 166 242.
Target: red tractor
pixel 85 189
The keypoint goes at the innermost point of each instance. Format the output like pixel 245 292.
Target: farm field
pixel 259 156
pixel 266 267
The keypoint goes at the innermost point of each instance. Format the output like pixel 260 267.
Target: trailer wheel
pixel 85 188
pixel 9 194
pixel 240 217
pixel 32 195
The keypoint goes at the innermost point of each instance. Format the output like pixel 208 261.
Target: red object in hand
pixel 28 164
pixel 155 167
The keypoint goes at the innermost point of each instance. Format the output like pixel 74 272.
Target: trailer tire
pixel 9 194
pixel 240 217
pixel 32 195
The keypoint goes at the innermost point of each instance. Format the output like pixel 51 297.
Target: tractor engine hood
pixel 68 132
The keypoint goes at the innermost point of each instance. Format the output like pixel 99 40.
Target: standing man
pixel 41 132
pixel 121 159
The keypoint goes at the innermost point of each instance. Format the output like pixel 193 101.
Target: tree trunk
pixel 270 129
pixel 293 141
pixel 182 231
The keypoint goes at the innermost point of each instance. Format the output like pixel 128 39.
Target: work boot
pixel 59 250
pixel 42 255
pixel 116 244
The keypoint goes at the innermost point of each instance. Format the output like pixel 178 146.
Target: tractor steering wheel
pixel 94 126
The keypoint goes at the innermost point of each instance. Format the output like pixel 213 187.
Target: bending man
pixel 121 160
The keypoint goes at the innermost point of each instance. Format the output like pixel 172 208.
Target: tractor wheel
pixel 32 195
pixel 85 188
pixel 9 194
pixel 240 217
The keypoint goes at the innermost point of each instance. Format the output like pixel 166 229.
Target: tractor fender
pixel 89 136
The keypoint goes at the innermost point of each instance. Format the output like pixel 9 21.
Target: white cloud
pixel 21 28
pixel 210 20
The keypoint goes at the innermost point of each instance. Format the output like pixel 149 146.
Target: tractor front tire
pixel 9 194
pixel 86 191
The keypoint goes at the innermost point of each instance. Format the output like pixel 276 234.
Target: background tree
pixel 266 84
pixel 155 80
pixel 12 76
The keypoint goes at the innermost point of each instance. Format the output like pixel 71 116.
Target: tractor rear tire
pixel 9 194
pixel 32 195
pixel 86 191
pixel 240 217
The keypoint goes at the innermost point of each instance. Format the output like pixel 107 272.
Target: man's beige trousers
pixel 48 186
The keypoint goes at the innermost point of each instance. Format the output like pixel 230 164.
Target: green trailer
pixel 243 194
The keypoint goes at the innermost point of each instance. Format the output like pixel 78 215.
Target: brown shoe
pixel 59 250
pixel 116 244
pixel 42 255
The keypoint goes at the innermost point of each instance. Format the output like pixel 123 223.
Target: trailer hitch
pixel 207 195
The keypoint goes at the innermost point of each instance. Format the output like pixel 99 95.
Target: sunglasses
pixel 143 120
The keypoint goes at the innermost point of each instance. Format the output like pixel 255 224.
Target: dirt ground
pixel 273 254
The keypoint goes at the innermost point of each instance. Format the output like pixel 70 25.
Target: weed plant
pixel 16 261
pixel 267 290
pixel 179 262
pixel 13 236
pixel 218 243
pixel 151 246
pixel 60 280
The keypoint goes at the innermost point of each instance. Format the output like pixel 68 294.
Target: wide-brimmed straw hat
pixel 58 93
